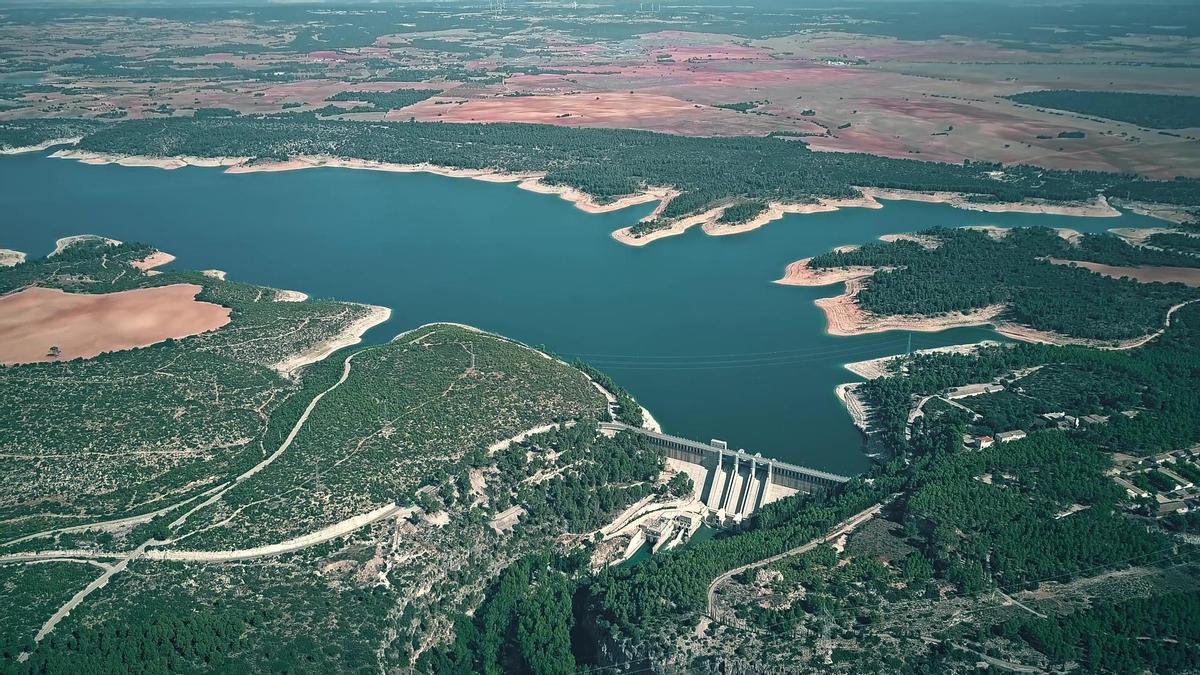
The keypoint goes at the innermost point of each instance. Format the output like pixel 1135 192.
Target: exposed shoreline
pixel 1171 214
pixel 350 335
pixel 530 181
pixel 844 317
pixel 709 221
pixel 44 145
pixel 847 393
pixel 534 182
pixel 871 369
pixel 66 242
pixel 282 295
pixel 11 258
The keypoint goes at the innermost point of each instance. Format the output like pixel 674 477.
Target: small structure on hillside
pixel 1010 436
pixel 1062 420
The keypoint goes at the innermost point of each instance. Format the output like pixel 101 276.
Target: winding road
pixel 844 527
pixel 123 560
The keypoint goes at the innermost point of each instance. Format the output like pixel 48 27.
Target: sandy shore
pixel 62 244
pixel 156 259
pixel 709 221
pixel 44 145
pixel 351 334
pixel 648 421
pixel 11 258
pixel 290 296
pixel 992 231
pixel 214 274
pixel 844 316
pixel 1027 334
pixel 586 202
pixel 1072 237
pixel 777 210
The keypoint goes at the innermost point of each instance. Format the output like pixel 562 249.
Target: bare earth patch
pixel 10 258
pixel 1146 274
pixel 156 259
pixel 85 325
pixel 290 296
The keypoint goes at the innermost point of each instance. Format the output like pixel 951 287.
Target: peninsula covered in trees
pixel 971 269
pixel 613 163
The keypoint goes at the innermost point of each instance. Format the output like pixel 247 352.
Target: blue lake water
pixel 691 325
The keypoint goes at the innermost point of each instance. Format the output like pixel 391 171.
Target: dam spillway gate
pixel 736 483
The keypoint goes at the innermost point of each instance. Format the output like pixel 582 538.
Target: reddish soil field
pixel 86 325
pixel 593 109
pixel 713 53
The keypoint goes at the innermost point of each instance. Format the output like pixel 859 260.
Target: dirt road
pixel 844 527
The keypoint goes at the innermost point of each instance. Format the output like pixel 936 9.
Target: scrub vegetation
pixel 179 416
pixel 406 416
pixel 206 450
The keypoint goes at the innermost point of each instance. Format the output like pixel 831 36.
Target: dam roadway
pixel 737 483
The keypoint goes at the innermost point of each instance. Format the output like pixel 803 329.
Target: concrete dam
pixel 736 483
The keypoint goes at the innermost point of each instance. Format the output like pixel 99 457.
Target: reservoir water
pixel 691 325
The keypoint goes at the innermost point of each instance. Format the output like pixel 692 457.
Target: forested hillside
pixel 1157 111
pixel 971 269
pixel 351 514
pixel 923 589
